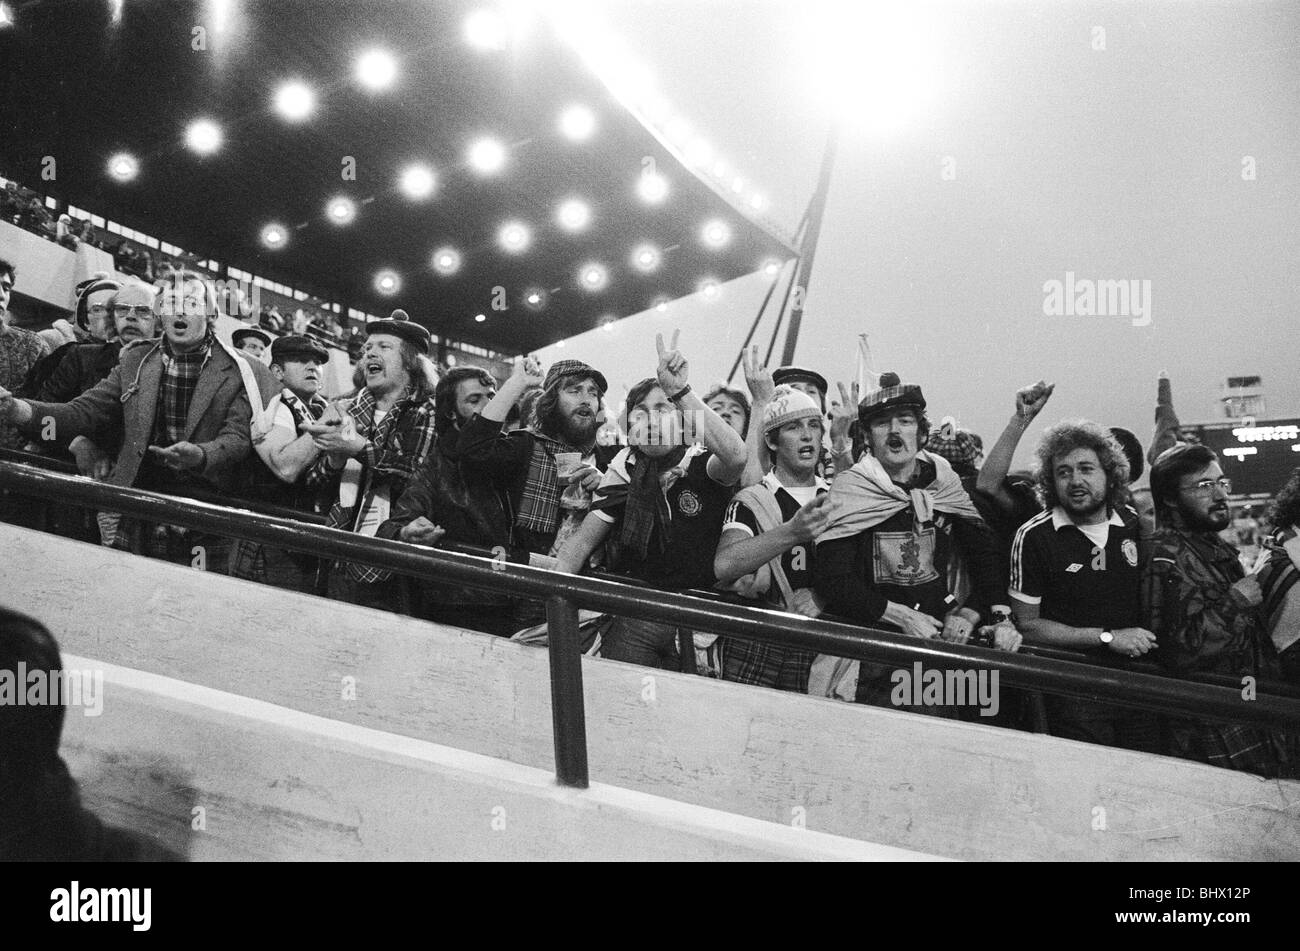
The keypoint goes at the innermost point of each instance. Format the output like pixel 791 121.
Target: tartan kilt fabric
pixel 1234 746
pixel 274 566
pixel 766 665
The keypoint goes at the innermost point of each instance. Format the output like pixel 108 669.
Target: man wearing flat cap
pixel 523 464
pixel 376 447
pixel 280 471
pixel 251 341
pixel 900 519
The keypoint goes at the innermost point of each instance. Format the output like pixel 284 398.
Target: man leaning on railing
pixel 663 501
pixel 184 403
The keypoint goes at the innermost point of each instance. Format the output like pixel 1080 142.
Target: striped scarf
pixel 180 377
pixel 303 410
pixel 539 503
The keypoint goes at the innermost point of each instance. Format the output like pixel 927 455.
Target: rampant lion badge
pixel 688 503
pixel 1130 550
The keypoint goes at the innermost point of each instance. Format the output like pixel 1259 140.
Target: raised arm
pixel 1029 402
pixel 728 460
pixel 758 379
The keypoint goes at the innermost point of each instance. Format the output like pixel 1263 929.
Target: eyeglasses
pixel 139 311
pixel 99 309
pixel 1206 486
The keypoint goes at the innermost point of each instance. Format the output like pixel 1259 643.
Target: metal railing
pixel 565 594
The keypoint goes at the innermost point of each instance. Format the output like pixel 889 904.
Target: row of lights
pixel 513 237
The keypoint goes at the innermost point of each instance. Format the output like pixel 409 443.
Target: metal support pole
pixel 808 249
pixel 567 713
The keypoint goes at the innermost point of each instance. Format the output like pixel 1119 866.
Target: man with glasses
pixel 1201 606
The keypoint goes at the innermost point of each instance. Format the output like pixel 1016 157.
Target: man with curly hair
pixel 1076 575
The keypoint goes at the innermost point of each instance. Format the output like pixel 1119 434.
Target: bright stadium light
pixel 446 261
pixel 514 237
pixel 709 288
pixel 652 188
pixel 479 318
pixel 577 123
pixel 294 100
pixel 646 258
pixel 387 282
pixel 574 215
pixel 593 277
pixel 487 156
pixel 341 210
pixel 275 236
pixel 771 267
pixel 876 66
pixel 376 69
pixel 123 166
pixel 486 30
pixel 203 136
pixel 715 234
pixel 417 182
pixel 6 16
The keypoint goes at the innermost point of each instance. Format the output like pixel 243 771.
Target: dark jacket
pixel 218 418
pixel 471 510
pixel 504 459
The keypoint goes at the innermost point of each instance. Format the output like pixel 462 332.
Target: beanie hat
pixel 788 405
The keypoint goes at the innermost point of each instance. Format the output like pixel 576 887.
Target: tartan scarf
pixel 647 503
pixel 539 503
pixel 865 496
pixel 180 377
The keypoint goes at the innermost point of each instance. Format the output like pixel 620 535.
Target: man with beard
pixel 1203 607
pixel 522 463
pixel 285 453
pixel 666 500
pixel 376 447
pixel 900 517
pixel 1076 576
pixel 442 504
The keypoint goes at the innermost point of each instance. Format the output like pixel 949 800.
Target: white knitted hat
pixel 789 404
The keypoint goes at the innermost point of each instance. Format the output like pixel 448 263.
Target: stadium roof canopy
pixel 84 80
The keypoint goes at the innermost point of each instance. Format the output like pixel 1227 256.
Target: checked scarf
pixel 401 442
pixel 539 503
pixel 180 377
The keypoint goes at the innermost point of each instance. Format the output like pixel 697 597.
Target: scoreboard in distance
pixel 1257 455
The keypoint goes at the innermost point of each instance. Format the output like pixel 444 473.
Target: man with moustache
pixel 285 453
pixel 521 463
pixel 900 517
pixel 1076 576
pixel 1203 608
pixel 182 403
pixel 375 448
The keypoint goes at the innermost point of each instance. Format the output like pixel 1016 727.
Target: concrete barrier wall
pixel 952 789
pixel 214 776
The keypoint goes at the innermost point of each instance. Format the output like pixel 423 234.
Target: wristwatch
pixel 1107 636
